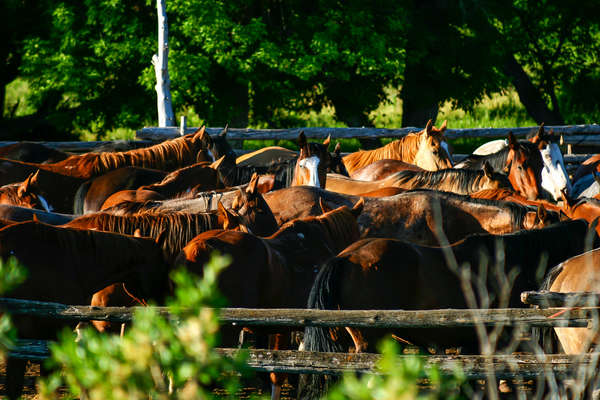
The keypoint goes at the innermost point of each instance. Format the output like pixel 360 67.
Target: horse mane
pixel 132 207
pixel 179 227
pixel 167 156
pixel 461 179
pixel 403 149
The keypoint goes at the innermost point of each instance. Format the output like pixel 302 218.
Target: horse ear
pixel 488 170
pixel 327 141
pixel 137 232
pixel 236 203
pixel 251 189
pixel 358 207
pixel 35 218
pixel 230 221
pixel 223 133
pixel 338 148
pixel 512 141
pixel 541 214
pixel 200 132
pixel 324 207
pixel 428 127
pixel 566 199
pixel 444 125
pixel 217 164
pixel 301 139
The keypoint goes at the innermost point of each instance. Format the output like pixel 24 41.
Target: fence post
pixel 182 126
pixel 161 69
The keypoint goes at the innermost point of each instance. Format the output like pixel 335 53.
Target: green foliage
pixel 405 378
pixel 153 350
pixel 11 275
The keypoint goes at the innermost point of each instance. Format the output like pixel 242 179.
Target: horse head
pixel 524 168
pixel 336 162
pixel 24 194
pixel 493 179
pixel 253 210
pixel 313 162
pixel 433 153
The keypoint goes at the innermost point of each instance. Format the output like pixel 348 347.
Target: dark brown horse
pixel 195 178
pixel 380 274
pixel 68 266
pixel 411 216
pixel 277 271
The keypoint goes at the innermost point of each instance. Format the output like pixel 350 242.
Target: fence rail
pixel 387 319
pixel 573 134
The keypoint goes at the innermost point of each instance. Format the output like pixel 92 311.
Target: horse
pixel 577 274
pixel 382 169
pixel 555 178
pixel 586 209
pixel 93 193
pixel 266 156
pixel 460 181
pixel 168 156
pixel 21 194
pixel 587 167
pixel 336 161
pixel 32 152
pixel 411 216
pixel 276 271
pixel 68 266
pixel 382 274
pixel 521 161
pixel 493 146
pixel 22 214
pixel 426 149
pixel 194 178
pixel 309 168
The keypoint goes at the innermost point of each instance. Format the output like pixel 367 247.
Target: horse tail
pixel 323 296
pixel 79 200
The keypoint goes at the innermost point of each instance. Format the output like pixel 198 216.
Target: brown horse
pixel 460 181
pixel 277 271
pixel 587 209
pixel 426 149
pixel 22 195
pixel 411 216
pixel 382 169
pixel 578 274
pixel 68 266
pixel 197 177
pixel 380 274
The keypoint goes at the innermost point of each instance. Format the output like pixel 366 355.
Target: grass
pixel 497 110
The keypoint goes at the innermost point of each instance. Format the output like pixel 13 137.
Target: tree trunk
pixel 161 68
pixel 529 95
pixel 420 101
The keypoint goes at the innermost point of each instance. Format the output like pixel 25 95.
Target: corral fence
pixel 578 314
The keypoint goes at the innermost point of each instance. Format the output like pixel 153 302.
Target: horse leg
pixel 277 341
pixel 360 344
pixel 15 376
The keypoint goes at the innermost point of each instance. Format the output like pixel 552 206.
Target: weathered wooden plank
pixel 304 362
pixel 388 319
pixel 556 299
pixel 157 134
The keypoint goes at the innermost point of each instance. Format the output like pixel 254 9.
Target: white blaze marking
pixel 45 204
pixel 311 164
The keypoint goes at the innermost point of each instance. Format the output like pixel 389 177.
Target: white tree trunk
pixel 160 62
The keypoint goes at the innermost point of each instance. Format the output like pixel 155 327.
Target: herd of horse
pixel 377 229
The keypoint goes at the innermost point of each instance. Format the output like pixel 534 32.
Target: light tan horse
pixel 426 149
pixel 460 181
pixel 578 274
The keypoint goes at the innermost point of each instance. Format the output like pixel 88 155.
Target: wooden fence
pixel 474 366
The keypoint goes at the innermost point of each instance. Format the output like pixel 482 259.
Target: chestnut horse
pixel 22 195
pixel 426 149
pixel 276 271
pixel 411 216
pixel 380 274
pixel 460 181
pixel 578 274
pixel 382 169
pixel 68 266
